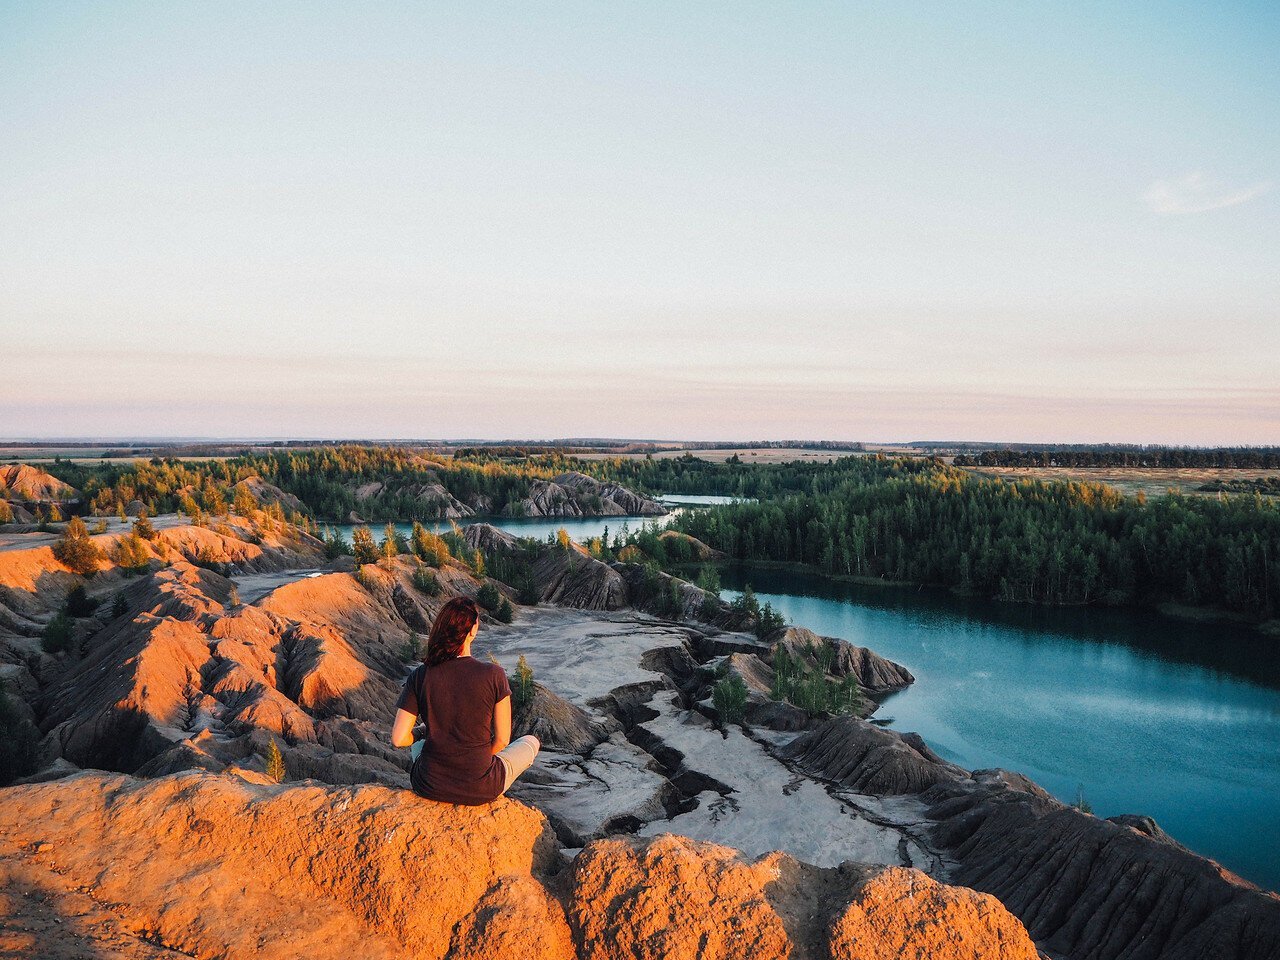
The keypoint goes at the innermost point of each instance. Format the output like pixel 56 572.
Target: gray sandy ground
pixel 584 655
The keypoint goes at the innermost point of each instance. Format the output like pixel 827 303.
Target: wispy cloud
pixel 1196 193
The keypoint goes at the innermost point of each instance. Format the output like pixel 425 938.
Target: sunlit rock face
pixel 213 865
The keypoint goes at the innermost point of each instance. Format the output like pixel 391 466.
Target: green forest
pixel 1032 541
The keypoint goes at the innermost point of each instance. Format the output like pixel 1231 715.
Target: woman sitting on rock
pixel 466 756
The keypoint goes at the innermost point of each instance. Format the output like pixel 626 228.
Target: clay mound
pixel 868 759
pixel 874 673
pixel 1087 887
pixel 213 866
pixel 489 539
pixel 204 864
pixel 571 578
pixel 672 898
pixel 432 499
pixel 267 495
pixel 23 482
pixel 615 499
pixel 557 722
pixel 697 549
pixel 762 710
pixel 577 495
pixel 129 700
pixel 648 592
pixel 230 543
pixel 904 913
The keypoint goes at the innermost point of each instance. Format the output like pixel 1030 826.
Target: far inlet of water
pixel 1143 714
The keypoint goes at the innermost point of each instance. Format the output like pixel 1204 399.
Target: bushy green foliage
pixel 19 742
pixel 729 696
pixel 429 547
pixel 143 528
pixel 119 606
pixel 6 512
pixel 363 547
pixel 489 597
pixel 78 602
pixel 76 549
pixel 335 545
pixel 412 649
pixel 505 612
pixel 424 579
pixel 810 686
pixel 57 634
pixel 768 621
pixel 132 553
pixel 522 683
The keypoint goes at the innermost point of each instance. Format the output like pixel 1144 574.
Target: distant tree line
pixel 1186 457
pixel 1033 541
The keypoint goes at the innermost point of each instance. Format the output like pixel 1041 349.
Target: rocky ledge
pixel 207 865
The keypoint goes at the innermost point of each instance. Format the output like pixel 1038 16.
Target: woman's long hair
pixel 453 623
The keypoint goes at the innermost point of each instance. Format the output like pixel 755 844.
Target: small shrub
pixel 505 613
pixel 424 580
pixel 768 621
pixel 275 762
pixel 522 683
pixel 234 598
pixel 100 527
pixel 131 552
pixel 730 698
pixel 76 549
pixel 489 597
pixel 529 594
pixel 78 602
pixel 411 651
pixel 1081 804
pixel 334 545
pixel 143 528
pixel 57 634
pixel 119 606
pixel 363 547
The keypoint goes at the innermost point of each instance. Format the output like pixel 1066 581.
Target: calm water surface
pixel 1144 714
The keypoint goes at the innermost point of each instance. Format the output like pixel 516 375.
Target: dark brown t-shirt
pixel 456 700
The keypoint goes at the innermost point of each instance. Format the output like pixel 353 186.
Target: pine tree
pixel 363 547
pixel 76 549
pixel 275 762
pixel 244 502
pixel 132 554
pixel 522 689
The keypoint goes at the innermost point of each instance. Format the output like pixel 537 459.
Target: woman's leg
pixel 517 757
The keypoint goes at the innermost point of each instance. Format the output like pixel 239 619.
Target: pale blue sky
pixel 857 221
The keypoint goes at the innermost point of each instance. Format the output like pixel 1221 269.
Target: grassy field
pixel 1153 481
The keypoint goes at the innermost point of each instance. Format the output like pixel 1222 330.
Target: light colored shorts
pixel 516 757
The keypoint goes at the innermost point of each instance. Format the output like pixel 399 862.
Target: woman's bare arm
pixel 402 729
pixel 501 724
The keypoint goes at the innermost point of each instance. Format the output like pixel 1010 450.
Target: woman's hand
pixel 501 724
